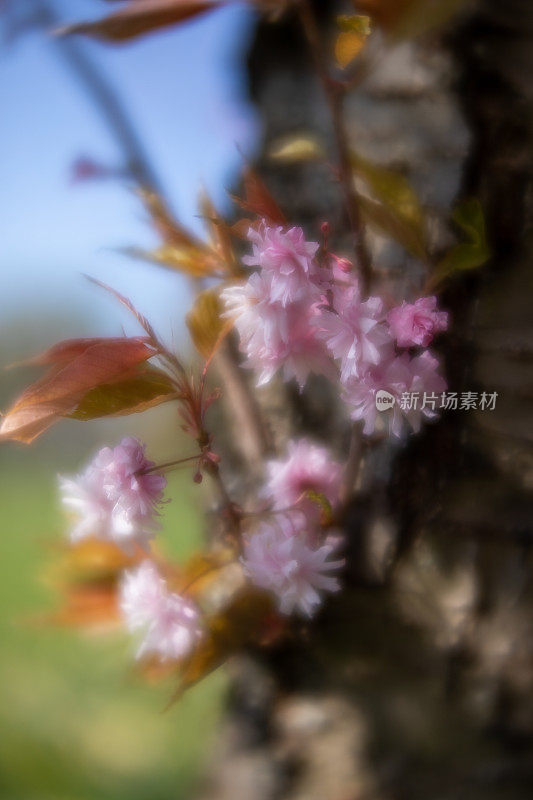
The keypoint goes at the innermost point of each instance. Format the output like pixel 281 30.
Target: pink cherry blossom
pixel 307 466
pixel 280 559
pixel 286 261
pixel 353 330
pixel 115 499
pixel 398 376
pixel 170 623
pixel 275 337
pixel 413 324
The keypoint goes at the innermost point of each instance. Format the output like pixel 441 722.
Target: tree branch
pixel 334 94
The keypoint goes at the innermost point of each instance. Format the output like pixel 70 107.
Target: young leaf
pixel 220 234
pixel 385 220
pixel 87 574
pixel 258 200
pixel 351 40
pixel 147 388
pixel 74 371
pixel 473 253
pixel 294 149
pixel 192 260
pixel 88 607
pixel 398 213
pixel 139 17
pixel 244 620
pixel 168 227
pixel 181 250
pixel 405 19
pixel 205 324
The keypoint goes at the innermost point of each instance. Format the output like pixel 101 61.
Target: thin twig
pixel 168 465
pixel 334 94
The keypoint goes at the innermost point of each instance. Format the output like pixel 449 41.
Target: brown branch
pixel 253 439
pixel 353 464
pixel 334 94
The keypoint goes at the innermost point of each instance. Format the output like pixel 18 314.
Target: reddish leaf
pixel 63 352
pixel 87 575
pixel 258 200
pixel 89 561
pixel 139 17
pixel 87 607
pixel 75 371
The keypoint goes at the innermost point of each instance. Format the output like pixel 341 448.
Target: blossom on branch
pixel 397 376
pixel 170 623
pixel 280 559
pixel 416 324
pixel 308 467
pixel 286 261
pixel 115 498
pixel 276 337
pixel 353 330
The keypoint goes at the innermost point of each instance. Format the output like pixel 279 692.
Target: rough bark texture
pixel 417 681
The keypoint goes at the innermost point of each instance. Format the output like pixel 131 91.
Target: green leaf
pixel 473 253
pixel 148 388
pixel 385 220
pixel 398 212
pixel 422 16
pixel 357 23
pixel 407 19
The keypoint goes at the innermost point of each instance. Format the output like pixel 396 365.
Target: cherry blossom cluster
pixel 304 312
pixel 169 622
pixel 300 311
pixel 288 555
pixel 116 499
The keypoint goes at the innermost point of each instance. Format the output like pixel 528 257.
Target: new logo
pixel 384 400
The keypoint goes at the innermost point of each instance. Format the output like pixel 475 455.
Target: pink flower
pixel 274 337
pixel 417 323
pixel 170 623
pixel 280 559
pixel 353 330
pixel 306 467
pixel 286 261
pixel 402 377
pixel 114 499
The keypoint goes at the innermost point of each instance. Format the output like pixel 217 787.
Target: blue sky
pixel 186 91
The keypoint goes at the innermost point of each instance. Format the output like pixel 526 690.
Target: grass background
pixel 74 724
